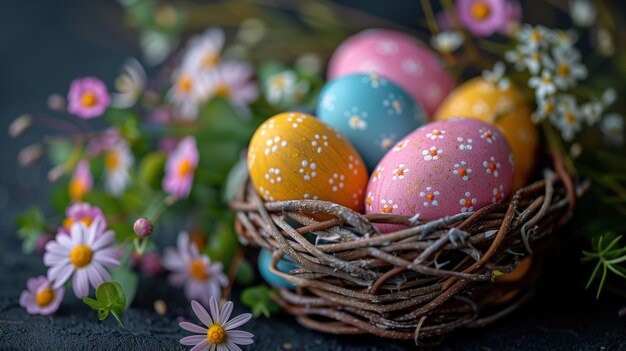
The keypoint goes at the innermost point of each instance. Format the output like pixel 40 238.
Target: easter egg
pixel 441 169
pixel 507 109
pixel 396 56
pixel 518 273
pixel 295 156
pixel 370 111
pixel 284 265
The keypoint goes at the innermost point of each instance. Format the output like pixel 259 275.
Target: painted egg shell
pixel 441 169
pixel 399 57
pixel 370 111
pixel 285 265
pixel 508 109
pixel 295 156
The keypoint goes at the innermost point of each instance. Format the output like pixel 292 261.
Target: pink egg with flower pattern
pixel 441 169
pixel 399 57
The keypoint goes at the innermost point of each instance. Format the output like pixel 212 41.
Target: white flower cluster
pixel 555 67
pixel 285 88
pixel 203 74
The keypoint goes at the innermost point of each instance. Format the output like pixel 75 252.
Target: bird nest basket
pixel 417 283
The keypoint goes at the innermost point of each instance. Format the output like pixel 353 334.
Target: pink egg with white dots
pixel 399 57
pixel 441 169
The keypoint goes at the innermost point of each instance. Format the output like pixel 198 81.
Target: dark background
pixel 43 46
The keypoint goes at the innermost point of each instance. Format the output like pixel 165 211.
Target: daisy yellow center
pixel 77 189
pixel 480 10
pixel 492 166
pixel 185 167
pixel 487 135
pixel 209 60
pixel 386 144
pixel 216 334
pixel 386 209
pixel 81 255
pixel 468 203
pixel 197 270
pixel 400 172
pixel 433 152
pixel 535 36
pixel 462 172
pixel 564 70
pixel 570 118
pixel 88 99
pixel 548 107
pixel 396 105
pixel 67 223
pixel 44 297
pixel 112 160
pixel 436 132
pixel 430 197
pixel 222 90
pixel 184 83
pixel 498 196
pixel 278 83
pixel 376 174
pixel 368 201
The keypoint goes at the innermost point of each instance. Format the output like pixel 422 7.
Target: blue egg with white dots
pixel 372 112
pixel 284 265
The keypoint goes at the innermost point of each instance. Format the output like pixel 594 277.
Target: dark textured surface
pixel 43 45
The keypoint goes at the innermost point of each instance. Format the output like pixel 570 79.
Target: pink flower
pixel 40 297
pixel 81 182
pixel 88 97
pixel 151 264
pixel 219 333
pixel 83 255
pixel 482 17
pixel 85 214
pixel 201 279
pixel 180 168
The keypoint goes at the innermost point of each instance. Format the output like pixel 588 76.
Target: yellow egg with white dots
pixel 294 156
pixel 506 108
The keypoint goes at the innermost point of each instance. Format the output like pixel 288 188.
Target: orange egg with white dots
pixel 506 108
pixel 295 156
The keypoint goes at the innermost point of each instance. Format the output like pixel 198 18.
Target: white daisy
pixel 130 84
pixel 189 90
pixel 567 67
pixel 281 87
pixel 203 51
pixel 117 161
pixel 569 119
pixel 546 109
pixel 83 254
pixel 447 41
pixel 544 85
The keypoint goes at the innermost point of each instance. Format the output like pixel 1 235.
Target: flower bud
pixel 143 227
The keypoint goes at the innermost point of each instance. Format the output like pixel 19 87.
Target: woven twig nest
pixel 414 283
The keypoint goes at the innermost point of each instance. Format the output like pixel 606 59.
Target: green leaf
pixel 107 294
pixel 151 169
pixel 126 282
pixel 117 317
pixel 60 152
pixel 102 314
pixel 258 299
pixel 245 274
pixel 94 304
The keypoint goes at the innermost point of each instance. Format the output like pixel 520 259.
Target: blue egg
pixel 371 112
pixel 284 265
